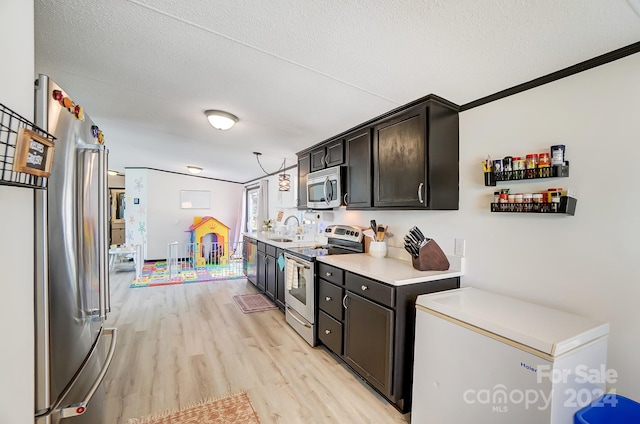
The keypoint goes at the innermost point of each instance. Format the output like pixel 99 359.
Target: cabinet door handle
pixel 420 192
pixel 344 301
pixel 344 199
pixel 328 298
pixel 329 274
pixel 326 160
pixel 327 331
pixel 363 287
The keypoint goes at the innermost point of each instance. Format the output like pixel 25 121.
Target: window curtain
pixel 241 219
pixel 263 203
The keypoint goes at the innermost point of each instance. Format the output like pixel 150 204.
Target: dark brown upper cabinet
pixel 407 158
pixel 358 187
pixel 304 165
pixel 415 158
pixel 327 155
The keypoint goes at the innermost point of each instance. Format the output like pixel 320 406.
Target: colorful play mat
pixel 157 274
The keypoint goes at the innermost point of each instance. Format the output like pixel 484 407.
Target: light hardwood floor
pixel 181 344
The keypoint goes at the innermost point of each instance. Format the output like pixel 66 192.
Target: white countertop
pixel 268 238
pixel 392 271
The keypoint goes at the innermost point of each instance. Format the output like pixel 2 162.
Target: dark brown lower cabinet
pixel 261 270
pixel 270 281
pixel 368 341
pixel 374 334
pixel 280 282
pixel 330 332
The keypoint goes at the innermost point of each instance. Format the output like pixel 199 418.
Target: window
pixel 252 209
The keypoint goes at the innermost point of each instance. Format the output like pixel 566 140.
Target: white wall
pixel 165 222
pixel 16 226
pixel 582 264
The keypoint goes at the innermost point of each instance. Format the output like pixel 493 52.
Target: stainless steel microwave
pixel 325 188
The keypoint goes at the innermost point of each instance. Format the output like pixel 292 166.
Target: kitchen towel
pixel 291 278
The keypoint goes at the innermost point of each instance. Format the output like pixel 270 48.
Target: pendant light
pixel 284 180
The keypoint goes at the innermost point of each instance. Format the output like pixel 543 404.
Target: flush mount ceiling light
pixel 194 169
pixel 112 172
pixel 220 119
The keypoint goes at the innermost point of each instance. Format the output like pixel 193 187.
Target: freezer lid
pixel 547 330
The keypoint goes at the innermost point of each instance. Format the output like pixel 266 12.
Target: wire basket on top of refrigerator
pixel 10 125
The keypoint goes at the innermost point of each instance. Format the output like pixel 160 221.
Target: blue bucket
pixel 609 409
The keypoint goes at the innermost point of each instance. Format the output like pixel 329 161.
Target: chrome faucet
pixel 294 217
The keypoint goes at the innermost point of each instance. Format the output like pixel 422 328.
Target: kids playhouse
pixel 209 236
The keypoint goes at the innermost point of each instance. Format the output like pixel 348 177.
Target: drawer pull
pixel 329 274
pixel 364 287
pixel 327 331
pixel 328 298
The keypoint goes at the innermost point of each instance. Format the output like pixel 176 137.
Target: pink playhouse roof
pixel 205 219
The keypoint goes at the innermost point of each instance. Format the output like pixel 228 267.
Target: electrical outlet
pixel 459 248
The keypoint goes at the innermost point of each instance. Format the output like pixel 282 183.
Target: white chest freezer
pixel 485 358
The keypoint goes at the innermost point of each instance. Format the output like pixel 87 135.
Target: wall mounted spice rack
pixel 555 171
pixel 567 206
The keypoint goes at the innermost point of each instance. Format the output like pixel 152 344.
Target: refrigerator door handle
pixel 103 263
pixel 80 407
pixel 103 183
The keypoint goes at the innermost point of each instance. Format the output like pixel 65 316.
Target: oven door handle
pixel 293 313
pixel 295 262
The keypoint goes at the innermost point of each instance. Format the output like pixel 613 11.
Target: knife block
pixel 431 258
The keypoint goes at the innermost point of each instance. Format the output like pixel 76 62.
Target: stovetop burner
pixel 341 239
pixel 308 253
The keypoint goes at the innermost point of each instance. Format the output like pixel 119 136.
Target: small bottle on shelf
pixel 531 163
pixel 544 165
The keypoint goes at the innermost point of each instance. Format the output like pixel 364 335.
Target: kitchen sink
pixel 281 240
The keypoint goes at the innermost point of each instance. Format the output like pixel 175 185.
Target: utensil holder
pixel 431 258
pixel 378 249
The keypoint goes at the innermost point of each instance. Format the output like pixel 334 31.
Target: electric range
pixel 341 239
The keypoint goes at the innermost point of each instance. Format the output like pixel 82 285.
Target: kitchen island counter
pixel 395 272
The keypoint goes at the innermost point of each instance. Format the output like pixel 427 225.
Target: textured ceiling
pixel 296 72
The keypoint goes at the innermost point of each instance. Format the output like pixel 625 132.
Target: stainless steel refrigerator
pixel 73 347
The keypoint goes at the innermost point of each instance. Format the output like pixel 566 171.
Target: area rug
pixel 258 302
pixel 155 273
pixel 235 409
